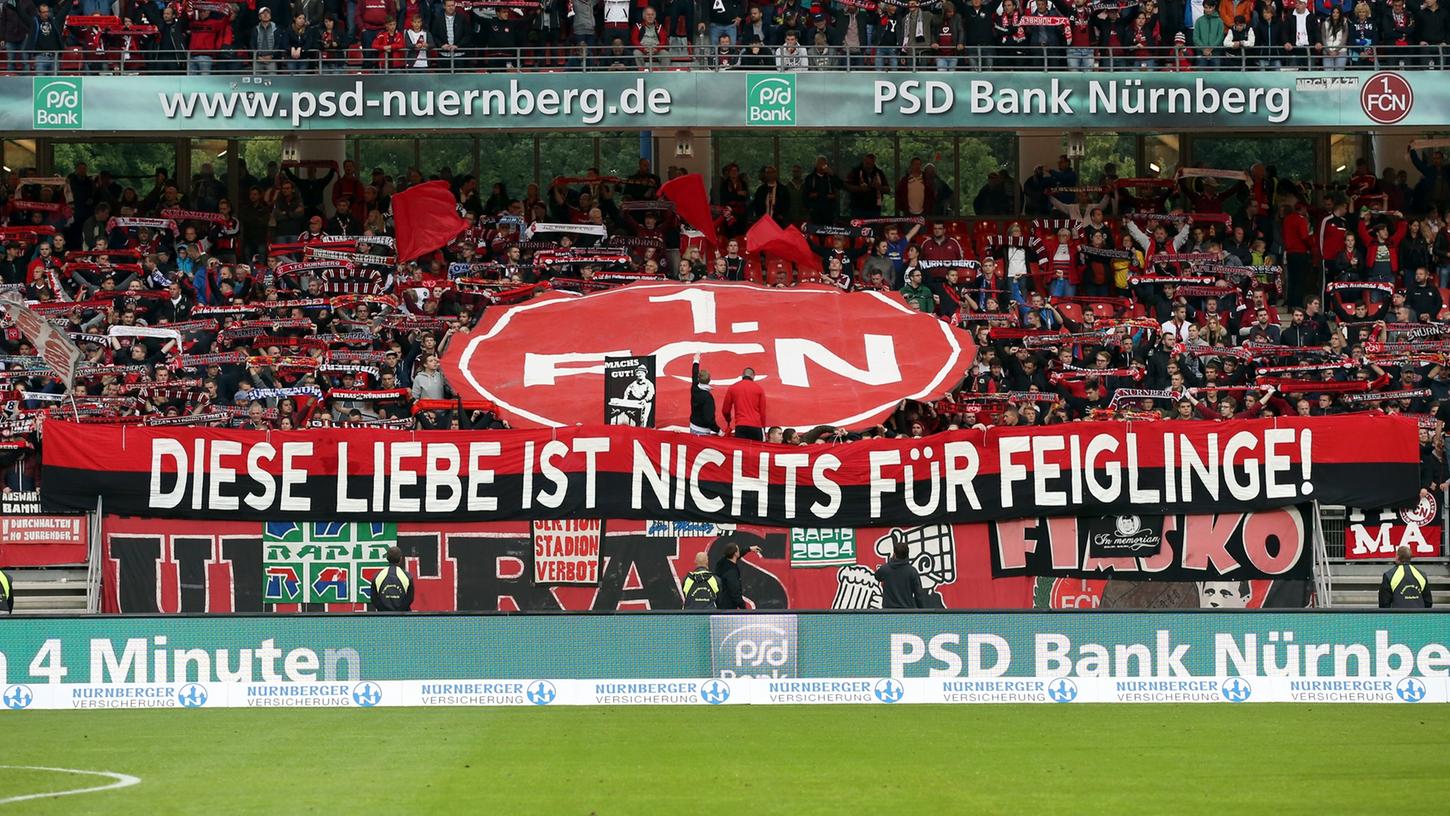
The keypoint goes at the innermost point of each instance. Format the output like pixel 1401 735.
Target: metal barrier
pixel 625 57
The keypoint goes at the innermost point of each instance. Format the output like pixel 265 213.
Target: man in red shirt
pixel 1298 256
pixel 744 407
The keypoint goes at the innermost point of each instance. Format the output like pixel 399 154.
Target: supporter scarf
pixel 566 179
pixel 157 332
pixel 1290 386
pixel 349 356
pixel 640 241
pixel 383 394
pixel 1076 373
pixel 1159 280
pixel 401 424
pixel 1376 396
pixel 959 263
pixel 130 222
pixel 187 419
pixel 357 258
pixel 43 181
pixel 1206 172
pixel 178 214
pixel 900 219
pixel 1105 252
pixel 283 362
pixel 204 360
pixel 647 206
pixel 1145 182
pixel 1123 394
pixel 1346 286
pixel 349 368
pixel 37 206
pixel 296 268
pixel 286 393
pixel 831 230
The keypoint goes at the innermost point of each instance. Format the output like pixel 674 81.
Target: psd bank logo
pixel 18 698
pixel 57 103
pixel 757 646
pixel 770 99
pixel 1410 690
pixel 1387 98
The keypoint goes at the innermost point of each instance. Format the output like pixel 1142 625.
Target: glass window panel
pixel 934 148
pixel 619 155
pixel 130 163
pixel 1160 153
pixel 981 155
pixel 455 156
pixel 392 156
pixel 854 146
pixel 1290 157
pixel 506 159
pixel 1345 150
pixel 1102 149
pixel 257 154
pixel 20 155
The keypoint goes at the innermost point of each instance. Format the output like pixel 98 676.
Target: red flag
pixel 762 233
pixel 425 217
pixel 791 244
pixel 692 204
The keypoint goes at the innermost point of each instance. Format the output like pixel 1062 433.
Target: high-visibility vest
pixel 1407 587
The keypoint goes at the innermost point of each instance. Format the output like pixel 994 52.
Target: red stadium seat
pixel 1103 310
pixel 1070 311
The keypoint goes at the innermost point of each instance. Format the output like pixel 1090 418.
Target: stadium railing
pixel 1175 59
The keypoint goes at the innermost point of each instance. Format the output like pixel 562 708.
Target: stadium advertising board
pixel 724 99
pixel 870 658
pixel 189 567
pixel 1107 468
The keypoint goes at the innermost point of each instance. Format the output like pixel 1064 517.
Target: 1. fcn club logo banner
pixel 324 561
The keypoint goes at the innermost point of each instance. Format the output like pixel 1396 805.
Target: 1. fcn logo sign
pixel 57 103
pixel 770 99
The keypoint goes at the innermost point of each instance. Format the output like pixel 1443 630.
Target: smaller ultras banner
pixel 616 472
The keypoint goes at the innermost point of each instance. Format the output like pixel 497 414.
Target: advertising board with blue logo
pixel 878 658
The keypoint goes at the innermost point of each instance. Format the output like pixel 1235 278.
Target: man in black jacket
pixel 728 569
pixel 702 403
pixel 900 582
pixel 451 32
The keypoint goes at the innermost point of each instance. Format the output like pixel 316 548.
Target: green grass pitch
pixel 918 759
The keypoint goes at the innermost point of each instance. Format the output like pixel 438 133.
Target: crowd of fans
pixel 1212 293
pixel 297 36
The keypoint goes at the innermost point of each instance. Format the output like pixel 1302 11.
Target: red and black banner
pixel 1274 544
pixel 194 567
pixel 1087 469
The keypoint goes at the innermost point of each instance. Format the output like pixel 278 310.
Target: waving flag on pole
pixel 426 218
pixel 692 203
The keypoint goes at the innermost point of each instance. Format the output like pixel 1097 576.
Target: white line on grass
pixel 121 781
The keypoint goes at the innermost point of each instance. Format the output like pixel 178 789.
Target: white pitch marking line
pixel 121 781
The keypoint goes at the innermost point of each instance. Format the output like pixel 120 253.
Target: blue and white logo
pixel 191 695
pixel 18 697
pixel 888 690
pixel 1062 690
pixel 1410 690
pixel 715 692
pixel 367 694
pixel 541 692
pixel 1236 690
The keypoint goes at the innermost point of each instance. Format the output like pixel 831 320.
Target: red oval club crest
pixel 1387 98
pixel 823 357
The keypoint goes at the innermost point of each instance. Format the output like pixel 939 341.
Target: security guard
pixel 1403 586
pixel 7 593
pixel 393 587
pixel 701 585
